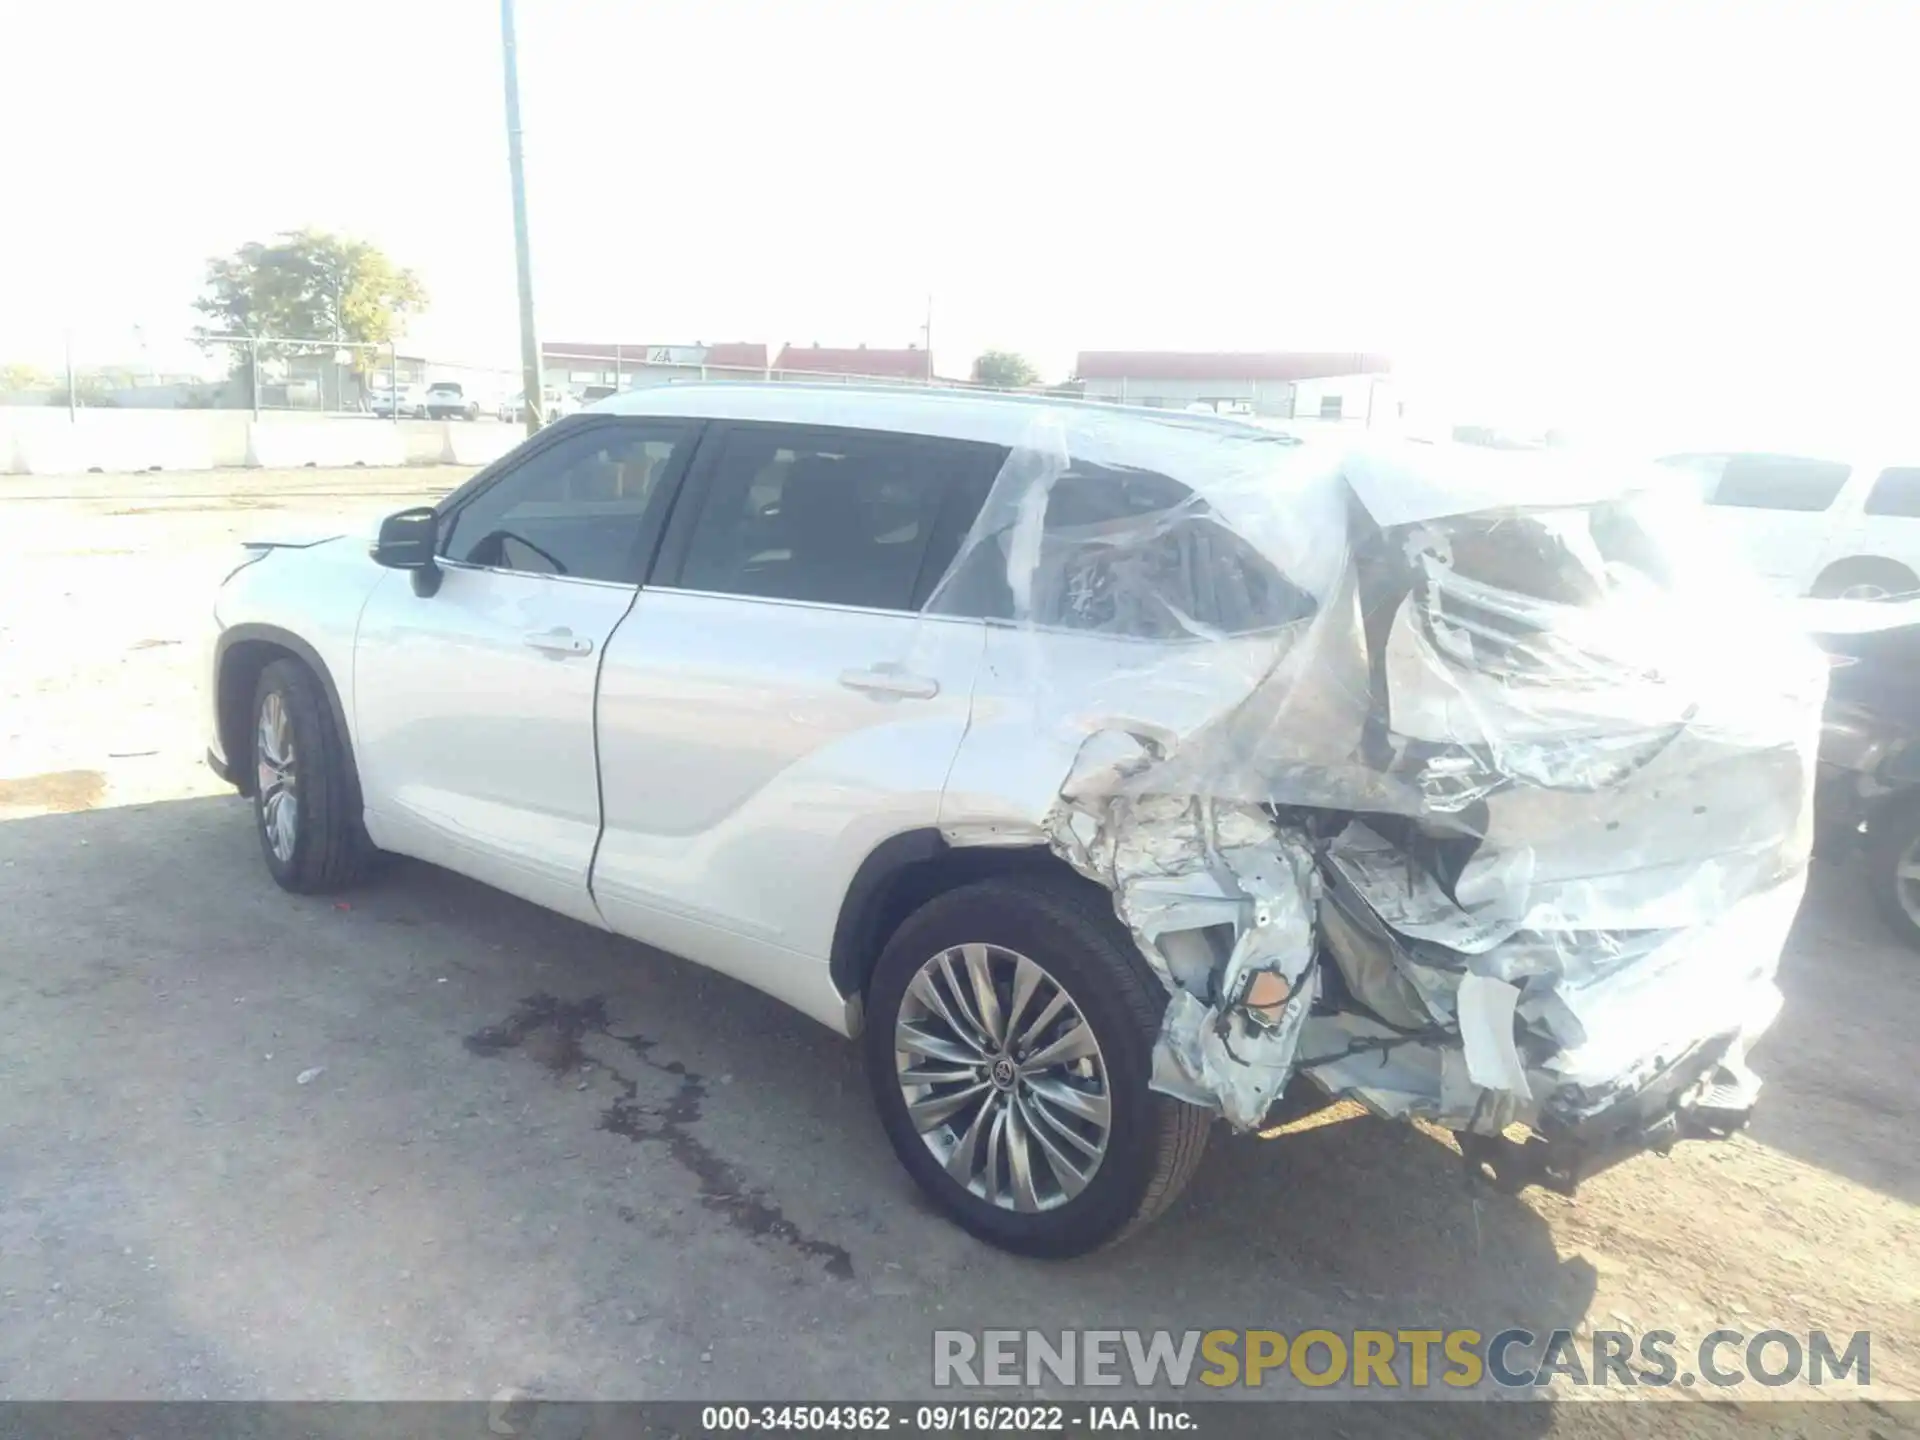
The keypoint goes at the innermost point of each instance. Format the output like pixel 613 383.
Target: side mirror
pixel 406 542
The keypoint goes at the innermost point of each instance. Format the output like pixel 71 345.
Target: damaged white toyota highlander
pixel 1106 770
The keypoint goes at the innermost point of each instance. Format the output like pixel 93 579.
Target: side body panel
pixel 1041 693
pixel 747 774
pixel 1787 548
pixel 476 726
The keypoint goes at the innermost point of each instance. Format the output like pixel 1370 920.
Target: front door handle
pixel 559 643
pixel 891 680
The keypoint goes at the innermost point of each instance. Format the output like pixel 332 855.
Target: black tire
pixel 1893 839
pixel 1889 577
pixel 330 849
pixel 1067 926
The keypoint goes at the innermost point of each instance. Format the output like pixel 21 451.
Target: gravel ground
pixel 427 1141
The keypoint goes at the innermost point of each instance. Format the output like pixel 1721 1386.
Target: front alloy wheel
pixel 1003 1077
pixel 277 774
pixel 305 799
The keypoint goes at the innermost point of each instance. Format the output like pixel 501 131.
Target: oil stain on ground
pixel 59 792
pixel 551 1031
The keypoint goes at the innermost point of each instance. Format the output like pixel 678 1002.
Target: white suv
pixel 447 400
pixel 412 401
pixel 555 404
pixel 1106 768
pixel 1834 529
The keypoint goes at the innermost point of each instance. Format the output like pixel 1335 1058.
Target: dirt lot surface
pixel 528 1154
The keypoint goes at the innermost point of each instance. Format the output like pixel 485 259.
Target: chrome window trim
pixel 468 565
pixel 791 603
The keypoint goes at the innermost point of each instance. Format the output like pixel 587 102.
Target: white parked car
pixel 1829 528
pixel 412 402
pixel 1102 769
pixel 448 400
pixel 556 403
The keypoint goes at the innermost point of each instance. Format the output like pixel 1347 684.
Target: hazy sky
pixel 1578 208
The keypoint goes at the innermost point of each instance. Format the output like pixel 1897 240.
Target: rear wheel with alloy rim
pixel 1893 866
pixel 1009 1044
pixel 1003 1077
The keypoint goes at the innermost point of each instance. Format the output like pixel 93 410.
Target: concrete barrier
pixel 477 443
pixel 423 440
pixel 230 438
pixel 278 443
pixel 44 440
pixel 47 441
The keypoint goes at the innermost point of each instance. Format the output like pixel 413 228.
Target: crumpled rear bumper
pixel 1706 1094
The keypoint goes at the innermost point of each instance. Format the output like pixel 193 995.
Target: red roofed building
pixel 911 363
pixel 739 356
pixel 1288 383
pixel 573 365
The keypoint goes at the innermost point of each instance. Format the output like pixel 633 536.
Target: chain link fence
pixel 129 369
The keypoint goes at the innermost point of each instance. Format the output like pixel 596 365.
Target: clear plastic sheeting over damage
pixel 1468 782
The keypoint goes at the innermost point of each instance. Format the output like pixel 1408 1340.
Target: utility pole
pixel 332 367
pixel 927 330
pixel 532 386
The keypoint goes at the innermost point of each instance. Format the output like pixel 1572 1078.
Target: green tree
pixel 309 285
pixel 1004 369
pixel 24 377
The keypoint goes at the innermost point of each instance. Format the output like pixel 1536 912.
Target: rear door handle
pixel 559 643
pixel 891 680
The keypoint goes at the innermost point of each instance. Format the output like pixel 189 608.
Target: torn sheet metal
pixel 1475 785
pixel 1221 901
pixel 1483 1009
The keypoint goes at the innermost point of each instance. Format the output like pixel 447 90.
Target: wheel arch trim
pixel 874 895
pixel 232 736
pixel 1862 561
pixel 862 906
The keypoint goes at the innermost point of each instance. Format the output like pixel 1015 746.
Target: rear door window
pixel 1701 471
pixel 1135 554
pixel 837 517
pixel 1897 493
